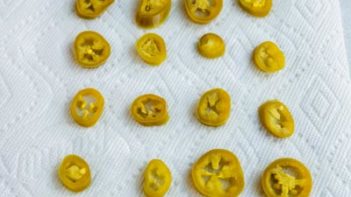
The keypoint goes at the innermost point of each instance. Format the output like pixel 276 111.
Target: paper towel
pixel 38 79
pixel 346 14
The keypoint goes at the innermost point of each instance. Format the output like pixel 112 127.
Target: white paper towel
pixel 346 14
pixel 38 79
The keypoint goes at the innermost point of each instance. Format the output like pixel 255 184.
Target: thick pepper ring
pixel 150 110
pixel 152 49
pixel 286 177
pixel 91 49
pixel 152 13
pixel 87 107
pixel 74 173
pixel 277 119
pixel 218 173
pixel 214 107
pixel 157 179
pixel 211 46
pixel 268 57
pixel 259 8
pixel 90 9
pixel 203 11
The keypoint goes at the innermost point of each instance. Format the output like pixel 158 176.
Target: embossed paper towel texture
pixel 38 78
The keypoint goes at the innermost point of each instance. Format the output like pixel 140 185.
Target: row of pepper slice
pixel 213 109
pixel 217 173
pixel 152 13
pixel 91 50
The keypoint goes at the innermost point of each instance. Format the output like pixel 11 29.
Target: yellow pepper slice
pixel 91 49
pixel 203 11
pixel 268 57
pixel 259 8
pixel 91 9
pixel 218 173
pixel 87 107
pixel 211 46
pixel 74 173
pixel 152 49
pixel 277 119
pixel 150 110
pixel 152 13
pixel 214 107
pixel 286 177
pixel 157 179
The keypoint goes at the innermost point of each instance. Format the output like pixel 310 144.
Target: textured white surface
pixel 346 14
pixel 38 79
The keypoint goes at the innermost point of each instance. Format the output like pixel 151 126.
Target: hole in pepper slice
pixel 74 173
pixel 150 110
pixel 91 49
pixel 152 49
pixel 276 119
pixel 203 11
pixel 157 179
pixel 87 107
pixel 91 9
pixel 286 177
pixel 258 8
pixel 218 173
pixel 268 57
pixel 152 13
pixel 214 107
pixel 211 46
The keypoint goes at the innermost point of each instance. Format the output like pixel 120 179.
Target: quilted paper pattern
pixel 38 79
